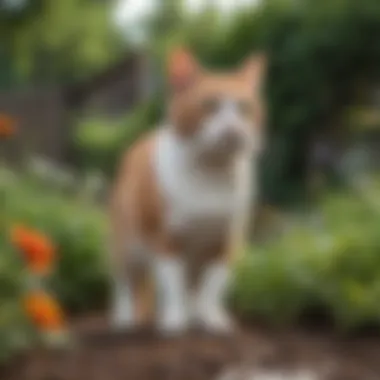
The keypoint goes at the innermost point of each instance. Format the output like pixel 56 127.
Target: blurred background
pixel 80 80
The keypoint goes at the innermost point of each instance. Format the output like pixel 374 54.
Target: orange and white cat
pixel 182 197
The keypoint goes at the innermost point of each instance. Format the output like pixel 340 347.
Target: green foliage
pixel 54 202
pixel 332 266
pixel 75 224
pixel 100 143
pixel 15 332
pixel 52 41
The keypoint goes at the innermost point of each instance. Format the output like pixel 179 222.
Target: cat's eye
pixel 210 105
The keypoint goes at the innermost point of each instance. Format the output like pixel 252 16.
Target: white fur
pixel 170 277
pixel 189 192
pixel 123 314
pixel 198 197
pixel 210 311
pixel 227 118
pixel 205 200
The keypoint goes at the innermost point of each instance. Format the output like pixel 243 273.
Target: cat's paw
pixel 211 314
pixel 173 323
pixel 121 321
pixel 122 316
pixel 216 321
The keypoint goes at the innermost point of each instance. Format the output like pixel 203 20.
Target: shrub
pixel 76 225
pixel 332 266
pixel 46 200
pixel 15 332
pixel 99 142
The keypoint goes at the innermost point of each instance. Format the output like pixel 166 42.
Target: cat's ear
pixel 183 69
pixel 254 69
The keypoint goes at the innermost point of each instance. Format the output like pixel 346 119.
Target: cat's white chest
pixel 193 198
pixel 199 201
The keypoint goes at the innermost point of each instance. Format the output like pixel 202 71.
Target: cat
pixel 181 199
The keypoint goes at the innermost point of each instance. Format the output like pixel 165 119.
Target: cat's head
pixel 219 113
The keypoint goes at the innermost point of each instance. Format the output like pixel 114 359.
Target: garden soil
pixel 102 355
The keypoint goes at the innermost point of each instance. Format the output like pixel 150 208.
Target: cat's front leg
pixel 211 311
pixel 171 285
pixel 211 307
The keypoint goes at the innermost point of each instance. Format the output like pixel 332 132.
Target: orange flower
pixel 44 311
pixel 7 126
pixel 37 249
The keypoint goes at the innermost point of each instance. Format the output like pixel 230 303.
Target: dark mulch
pixel 101 355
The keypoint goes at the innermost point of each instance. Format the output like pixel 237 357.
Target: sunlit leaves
pixel 61 40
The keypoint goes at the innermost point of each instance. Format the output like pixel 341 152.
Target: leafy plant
pixel 100 142
pixel 77 226
pixel 333 266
